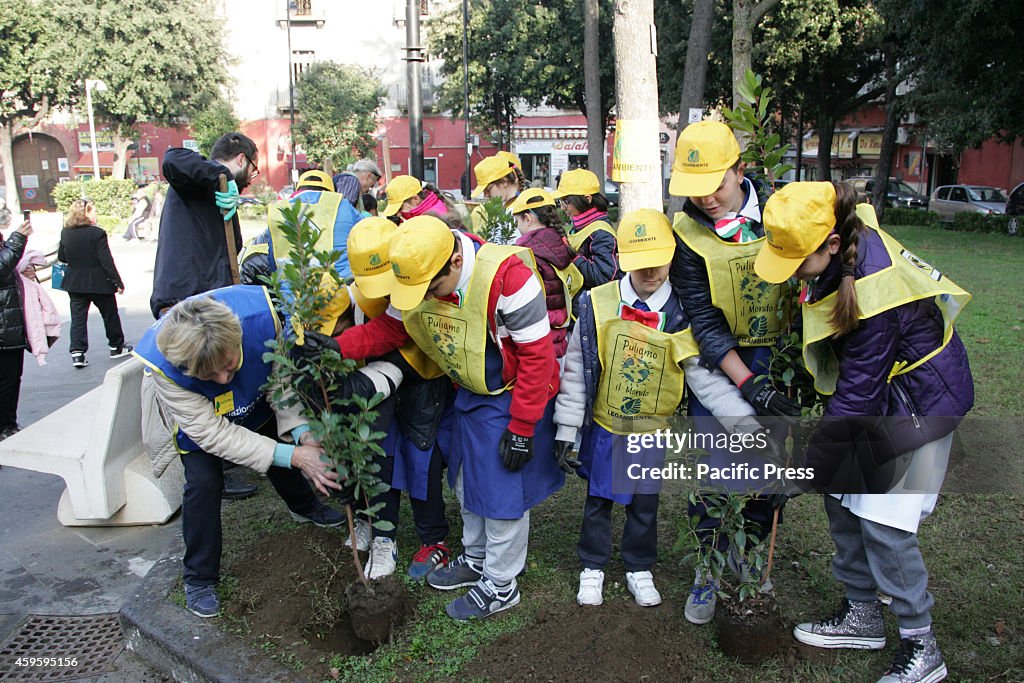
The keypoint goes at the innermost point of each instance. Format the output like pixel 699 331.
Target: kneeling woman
pixel 878 336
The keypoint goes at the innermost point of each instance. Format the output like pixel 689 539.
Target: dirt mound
pixel 617 641
pixel 291 585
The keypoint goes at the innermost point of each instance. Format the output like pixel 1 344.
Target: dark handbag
pixel 57 275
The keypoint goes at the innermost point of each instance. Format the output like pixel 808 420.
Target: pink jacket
pixel 41 317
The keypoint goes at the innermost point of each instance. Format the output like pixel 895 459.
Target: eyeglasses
pixel 255 169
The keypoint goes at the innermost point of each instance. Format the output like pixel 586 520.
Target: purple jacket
pixel 921 406
pixel 552 251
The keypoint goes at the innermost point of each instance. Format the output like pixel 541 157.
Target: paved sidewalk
pixel 49 569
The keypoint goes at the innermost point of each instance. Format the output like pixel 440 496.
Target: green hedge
pixel 113 198
pixel 968 221
pixel 896 216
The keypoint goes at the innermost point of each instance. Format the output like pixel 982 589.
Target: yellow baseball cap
pixel 420 248
pixel 369 256
pixel 316 180
pixel 510 158
pixel 401 188
pixel 578 181
pixel 533 198
pixel 704 152
pixel 797 219
pixel 489 170
pixel 645 240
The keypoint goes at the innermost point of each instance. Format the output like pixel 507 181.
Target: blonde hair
pixel 76 214
pixel 199 335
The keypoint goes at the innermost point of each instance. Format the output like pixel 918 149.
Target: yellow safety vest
pixel 907 279
pixel 757 311
pixel 322 214
pixel 455 336
pixel 577 239
pixel 642 378
pixel 572 282
pixel 414 355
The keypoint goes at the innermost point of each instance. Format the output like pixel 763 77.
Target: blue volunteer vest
pixel 242 401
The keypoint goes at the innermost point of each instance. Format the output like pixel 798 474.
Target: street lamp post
pixel 99 86
pixel 291 5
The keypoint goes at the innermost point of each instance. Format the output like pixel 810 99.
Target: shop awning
pixel 106 160
pixel 551 133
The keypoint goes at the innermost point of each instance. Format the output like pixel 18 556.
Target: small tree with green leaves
pixel 764 151
pixel 499 225
pixel 342 427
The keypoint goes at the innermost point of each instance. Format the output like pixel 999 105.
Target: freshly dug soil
pixel 376 616
pixel 283 582
pixel 753 635
pixel 617 641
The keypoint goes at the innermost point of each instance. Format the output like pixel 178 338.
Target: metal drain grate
pixel 61 648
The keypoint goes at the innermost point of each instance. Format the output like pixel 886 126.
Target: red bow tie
pixel 651 319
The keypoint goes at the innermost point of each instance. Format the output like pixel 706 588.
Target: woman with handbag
pixel 90 278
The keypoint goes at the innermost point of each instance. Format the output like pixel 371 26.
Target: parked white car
pixel 949 200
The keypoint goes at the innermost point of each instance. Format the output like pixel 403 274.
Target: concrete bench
pixel 95 444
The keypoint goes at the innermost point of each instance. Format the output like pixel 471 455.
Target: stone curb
pixel 185 647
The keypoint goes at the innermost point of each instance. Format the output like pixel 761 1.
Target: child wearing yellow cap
pixel 628 332
pixel 879 338
pixel 497 176
pixel 409 197
pixel 415 461
pixel 591 236
pixel 543 234
pixel 734 314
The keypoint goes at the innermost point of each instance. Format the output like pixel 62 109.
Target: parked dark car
pixel 897 193
pixel 611 192
pixel 1015 210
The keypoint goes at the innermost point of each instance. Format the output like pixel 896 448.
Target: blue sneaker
pixel 482 601
pixel 202 601
pixel 700 603
pixel 459 574
pixel 427 559
pixel 322 515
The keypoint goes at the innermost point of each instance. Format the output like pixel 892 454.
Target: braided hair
pixel 846 313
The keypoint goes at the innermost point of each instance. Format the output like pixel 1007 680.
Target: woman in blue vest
pixel 205 357
pixel 879 338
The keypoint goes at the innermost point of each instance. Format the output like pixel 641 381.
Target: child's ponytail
pixel 549 216
pixel 846 313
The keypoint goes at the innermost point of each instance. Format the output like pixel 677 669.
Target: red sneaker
pixel 427 559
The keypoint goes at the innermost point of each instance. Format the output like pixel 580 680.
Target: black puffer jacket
pixel 12 319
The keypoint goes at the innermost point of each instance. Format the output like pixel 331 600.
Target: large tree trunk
pixel 636 92
pixel 592 89
pixel 745 16
pixel 698 45
pixel 892 120
pixel 120 163
pixel 10 181
pixel 826 131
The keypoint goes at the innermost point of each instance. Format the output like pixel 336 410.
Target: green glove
pixel 228 201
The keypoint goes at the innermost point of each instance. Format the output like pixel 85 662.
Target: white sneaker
pixel 362 536
pixel 383 558
pixel 591 586
pixel 641 585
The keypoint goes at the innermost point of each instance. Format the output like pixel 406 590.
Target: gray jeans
pixel 872 557
pixel 500 542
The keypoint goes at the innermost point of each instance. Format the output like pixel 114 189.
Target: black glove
pixel 564 456
pixel 347 494
pixel 315 344
pixel 777 500
pixel 516 450
pixel 767 401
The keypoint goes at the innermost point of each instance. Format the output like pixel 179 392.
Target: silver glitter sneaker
pixel 857 625
pixel 917 661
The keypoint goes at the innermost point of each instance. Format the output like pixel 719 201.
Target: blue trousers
pixel 639 545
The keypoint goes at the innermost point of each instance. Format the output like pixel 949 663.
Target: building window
pixel 303 8
pixel 301 61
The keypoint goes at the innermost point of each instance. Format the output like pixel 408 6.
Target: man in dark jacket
pixel 192 254
pixel 13 341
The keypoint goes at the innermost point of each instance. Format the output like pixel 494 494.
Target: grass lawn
pixel 971 544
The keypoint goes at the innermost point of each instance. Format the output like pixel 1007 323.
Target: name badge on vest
pixel 224 404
